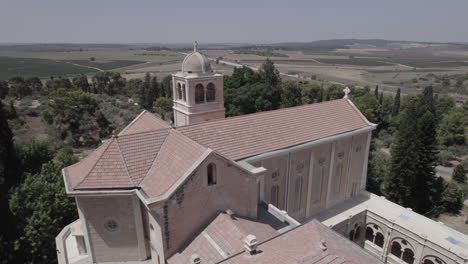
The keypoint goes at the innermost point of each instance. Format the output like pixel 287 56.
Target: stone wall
pixel 118 241
pixel 310 180
pixel 195 203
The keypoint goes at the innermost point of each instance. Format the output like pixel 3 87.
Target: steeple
pixel 198 91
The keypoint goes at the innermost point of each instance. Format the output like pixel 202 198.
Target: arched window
pixel 179 91
pixel 369 234
pixel 351 235
pixel 274 195
pixel 396 249
pixel 199 94
pixel 183 92
pixel 432 260
pixel 375 235
pixel 210 92
pixel 408 256
pixel 379 239
pixel 211 174
pixel 357 235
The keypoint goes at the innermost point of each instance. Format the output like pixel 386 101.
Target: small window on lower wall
pixel 211 174
pixel 111 225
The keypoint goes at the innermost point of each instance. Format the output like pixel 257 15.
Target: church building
pixel 283 186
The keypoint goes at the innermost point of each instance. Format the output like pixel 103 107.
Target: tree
pixel 155 87
pixel 73 112
pixel 166 87
pixel 101 82
pixel 334 92
pixel 452 198
pixel 291 94
pixel 269 74
pixel 18 87
pixel 33 154
pixel 34 84
pixel 378 170
pixel 369 106
pixel 164 103
pixel 459 174
pixel 3 89
pixel 81 82
pixel 42 208
pixel 452 128
pixel 376 92
pixel 163 106
pixel 105 126
pixel 55 83
pixel 402 176
pixel 12 114
pixel 10 176
pixel 148 92
pixel 396 104
pixel 426 192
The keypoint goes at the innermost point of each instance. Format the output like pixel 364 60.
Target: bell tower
pixel 197 90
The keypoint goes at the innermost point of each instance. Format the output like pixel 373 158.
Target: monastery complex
pixel 281 187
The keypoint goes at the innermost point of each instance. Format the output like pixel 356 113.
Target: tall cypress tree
pixel 396 104
pixel 376 92
pixel 404 159
pixel 427 191
pixel 9 177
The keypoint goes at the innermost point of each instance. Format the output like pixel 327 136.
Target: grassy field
pixel 37 67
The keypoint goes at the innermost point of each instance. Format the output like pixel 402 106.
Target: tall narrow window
pixel 274 195
pixel 211 174
pixel 183 92
pixel 179 91
pixel 210 92
pixel 199 94
pixel 317 180
pixel 297 193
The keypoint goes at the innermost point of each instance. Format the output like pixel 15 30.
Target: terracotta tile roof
pixel 121 162
pixel 109 171
pixel 144 122
pixel 302 245
pixel 249 135
pixel 222 238
pixel 138 157
pixel 177 155
pixel 153 160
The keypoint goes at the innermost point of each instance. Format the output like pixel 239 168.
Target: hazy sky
pixel 144 21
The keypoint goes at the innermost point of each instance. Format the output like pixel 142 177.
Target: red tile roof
pixel 222 242
pixel 222 238
pixel 302 245
pixel 248 135
pixel 177 155
pixel 150 154
pixel 144 122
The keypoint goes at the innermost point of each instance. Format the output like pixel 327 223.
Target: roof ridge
pixel 147 132
pixel 97 160
pixel 156 156
pixel 124 161
pixel 260 113
pixel 133 121
pixel 361 115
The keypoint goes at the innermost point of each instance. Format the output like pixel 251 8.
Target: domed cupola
pixel 197 91
pixel 196 62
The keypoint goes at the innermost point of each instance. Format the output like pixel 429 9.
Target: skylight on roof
pixel 404 217
pixel 453 240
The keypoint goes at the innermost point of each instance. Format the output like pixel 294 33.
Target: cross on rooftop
pixel 346 92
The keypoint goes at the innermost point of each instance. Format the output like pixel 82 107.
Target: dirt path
pixel 85 66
